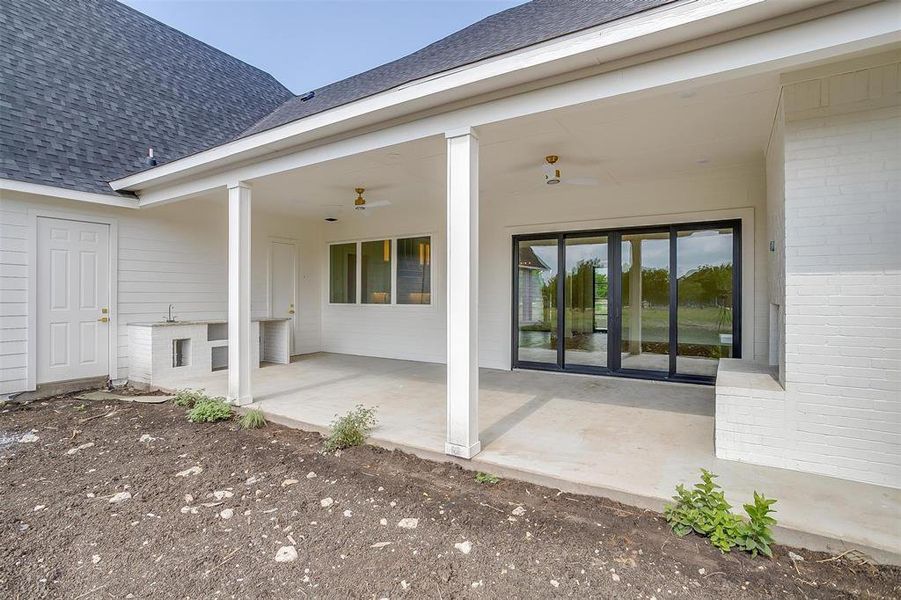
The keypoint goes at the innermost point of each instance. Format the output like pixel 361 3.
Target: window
pixel 343 273
pixel 376 272
pixel 390 271
pixel 414 270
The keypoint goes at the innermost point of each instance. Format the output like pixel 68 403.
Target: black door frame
pixel 614 300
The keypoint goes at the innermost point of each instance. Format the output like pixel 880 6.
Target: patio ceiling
pixel 661 136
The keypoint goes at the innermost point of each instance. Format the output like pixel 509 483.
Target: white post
pixel 239 342
pixel 462 294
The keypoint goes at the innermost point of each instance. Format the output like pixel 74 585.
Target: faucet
pixel 170 318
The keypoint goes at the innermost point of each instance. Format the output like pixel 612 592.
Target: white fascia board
pixel 66 194
pixel 785 48
pixel 565 53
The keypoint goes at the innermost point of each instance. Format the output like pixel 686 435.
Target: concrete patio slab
pixel 631 441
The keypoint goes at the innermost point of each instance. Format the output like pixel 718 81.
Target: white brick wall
pixel 840 412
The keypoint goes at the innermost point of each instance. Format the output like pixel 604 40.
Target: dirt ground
pixel 211 506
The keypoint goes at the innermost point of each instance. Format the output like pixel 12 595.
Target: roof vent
pixel 307 96
pixel 151 162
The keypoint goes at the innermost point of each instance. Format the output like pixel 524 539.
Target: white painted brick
pixel 840 215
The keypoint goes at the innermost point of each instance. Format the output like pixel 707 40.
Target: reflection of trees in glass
pixel 708 285
pixel 654 286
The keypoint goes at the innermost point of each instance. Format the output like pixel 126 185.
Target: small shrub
pixel 188 398
pixel 352 429
pixel 487 478
pixel 252 419
pixel 704 510
pixel 209 410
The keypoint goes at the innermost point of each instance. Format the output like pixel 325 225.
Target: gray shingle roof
pixel 86 86
pixel 506 31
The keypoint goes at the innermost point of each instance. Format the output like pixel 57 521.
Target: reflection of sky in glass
pixel 695 249
pixel 583 251
pixel 548 255
pixel 703 248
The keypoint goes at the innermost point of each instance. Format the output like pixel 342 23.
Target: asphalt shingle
pixel 87 86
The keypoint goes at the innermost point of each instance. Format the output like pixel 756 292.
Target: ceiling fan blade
pixel 377 203
pixel 580 180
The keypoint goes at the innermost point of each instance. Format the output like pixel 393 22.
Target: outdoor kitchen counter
pixel 172 354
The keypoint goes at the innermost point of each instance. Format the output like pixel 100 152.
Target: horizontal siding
pixel 174 254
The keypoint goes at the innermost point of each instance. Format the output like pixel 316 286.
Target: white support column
pixel 462 294
pixel 239 331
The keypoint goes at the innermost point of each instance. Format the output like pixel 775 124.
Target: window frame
pixel 358 300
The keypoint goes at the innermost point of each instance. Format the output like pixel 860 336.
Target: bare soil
pixel 62 537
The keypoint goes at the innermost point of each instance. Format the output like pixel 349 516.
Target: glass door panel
pixel 704 272
pixel 585 302
pixel 537 301
pixel 645 301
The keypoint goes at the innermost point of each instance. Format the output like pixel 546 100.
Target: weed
pixel 487 478
pixel 188 398
pixel 80 407
pixel 208 410
pixel 704 510
pixel 352 429
pixel 252 419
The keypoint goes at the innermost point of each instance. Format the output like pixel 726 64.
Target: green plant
pixel 252 419
pixel 755 536
pixel 208 410
pixel 188 398
pixel 487 478
pixel 704 510
pixel 352 429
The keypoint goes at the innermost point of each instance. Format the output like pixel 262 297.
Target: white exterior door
pixel 73 290
pixel 282 285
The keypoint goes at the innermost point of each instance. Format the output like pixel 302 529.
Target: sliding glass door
pixel 536 273
pixel 653 302
pixel 585 302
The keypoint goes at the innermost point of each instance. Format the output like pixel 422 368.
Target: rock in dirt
pixel 146 438
pixel 72 451
pixel 195 470
pixel 348 513
pixel 286 554
pixel 380 544
pixel 95 559
pixel 555 583
pixel 226 513
pixel 311 475
pixel 795 557
pixel 120 497
pixel 326 502
pixel 383 521
pixel 408 523
pixel 288 482
pixel 29 438
pixel 40 507
pixel 518 511
pixel 220 494
pixel 464 547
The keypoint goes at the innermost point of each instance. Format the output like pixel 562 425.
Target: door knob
pixel 103 319
pixel 290 311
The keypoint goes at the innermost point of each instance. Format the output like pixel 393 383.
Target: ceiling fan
pixel 362 204
pixel 552 173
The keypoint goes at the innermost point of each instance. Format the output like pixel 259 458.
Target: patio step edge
pixel 785 534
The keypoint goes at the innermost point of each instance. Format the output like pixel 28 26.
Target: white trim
pixel 435 88
pixel 66 194
pixel 358 242
pixel 31 347
pixel 793 46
